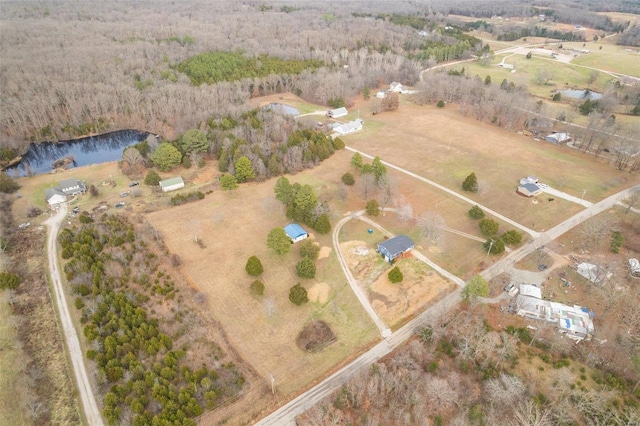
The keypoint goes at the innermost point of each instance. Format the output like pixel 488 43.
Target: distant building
pixel 395 247
pixel 296 232
pixel 529 190
pixel 557 137
pixel 381 94
pixel 350 127
pixel 171 184
pixel 396 87
pixel 338 112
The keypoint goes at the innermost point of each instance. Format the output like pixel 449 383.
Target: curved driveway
pixel 287 414
pixel 91 410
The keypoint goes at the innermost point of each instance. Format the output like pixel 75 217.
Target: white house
pixel 54 197
pixel 396 87
pixel 338 112
pixel 350 127
pixel 171 184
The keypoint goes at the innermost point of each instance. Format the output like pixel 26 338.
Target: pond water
pixel 580 94
pixel 86 151
pixel 283 109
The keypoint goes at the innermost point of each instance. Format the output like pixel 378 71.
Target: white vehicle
pixel 24 225
pixel 543 185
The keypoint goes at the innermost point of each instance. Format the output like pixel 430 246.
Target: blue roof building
pixel 395 247
pixel 296 232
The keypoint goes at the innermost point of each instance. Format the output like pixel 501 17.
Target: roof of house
pixel 530 290
pixel 531 187
pixel 172 181
pixel 634 265
pixel 558 137
pixel 349 127
pixel 338 111
pixel 50 192
pixel 396 245
pixel 576 319
pixel 69 183
pixel 294 230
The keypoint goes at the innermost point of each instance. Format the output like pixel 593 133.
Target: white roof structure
pixel 558 137
pixel 530 290
pixel 592 272
pixel 350 127
pixel 576 321
pixel 396 87
pixel 338 112
pixel 634 267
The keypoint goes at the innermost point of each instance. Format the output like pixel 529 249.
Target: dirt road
pixel 91 410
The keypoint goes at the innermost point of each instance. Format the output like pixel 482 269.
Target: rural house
pixel 529 189
pixel 58 194
pixel 350 127
pixel 171 184
pixel 72 187
pixel 557 138
pixel 396 87
pixel 338 112
pixel 576 321
pixel 295 232
pixel 54 196
pixel 395 247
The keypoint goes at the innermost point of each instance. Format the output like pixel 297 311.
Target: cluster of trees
pixel 489 228
pixel 302 205
pixel 462 369
pixel 537 31
pixel 215 67
pixel 148 381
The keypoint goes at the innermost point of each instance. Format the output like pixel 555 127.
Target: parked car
pixel 542 267
pixel 76 210
pixel 125 194
pixel 120 205
pixel 134 183
pixel 508 287
pixel 24 225
pixel 543 185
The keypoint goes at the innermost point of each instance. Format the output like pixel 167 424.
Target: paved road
pixel 364 300
pixel 531 232
pixel 91 410
pixel 287 414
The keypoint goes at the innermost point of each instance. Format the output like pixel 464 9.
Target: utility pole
pixel 584 191
pixel 273 383
pixel 490 247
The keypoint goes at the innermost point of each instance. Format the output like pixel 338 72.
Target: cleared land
pixel 234 226
pixel 12 382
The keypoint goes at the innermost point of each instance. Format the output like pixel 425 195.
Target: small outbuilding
pixel 593 273
pixel 395 247
pixel 171 184
pixel 338 112
pixel 296 232
pixel 557 137
pixel 529 190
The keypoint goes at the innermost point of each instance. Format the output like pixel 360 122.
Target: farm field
pixel 442 145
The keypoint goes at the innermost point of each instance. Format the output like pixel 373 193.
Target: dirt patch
pixel 398 302
pixel 319 293
pixel 324 252
pixel 315 336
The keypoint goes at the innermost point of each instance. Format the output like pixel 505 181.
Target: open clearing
pixel 234 226
pixel 444 146
pixel 12 381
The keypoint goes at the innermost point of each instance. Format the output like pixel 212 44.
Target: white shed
pixel 171 184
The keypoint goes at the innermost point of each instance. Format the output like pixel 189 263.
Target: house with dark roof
pixel 395 247
pixel 295 232
pixel 529 190
pixel 67 188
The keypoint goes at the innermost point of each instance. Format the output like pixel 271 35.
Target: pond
pixel 580 94
pixel 283 109
pixel 86 151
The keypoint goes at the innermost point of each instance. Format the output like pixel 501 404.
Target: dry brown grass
pixel 233 226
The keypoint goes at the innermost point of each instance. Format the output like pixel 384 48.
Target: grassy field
pixel 233 227
pixel 12 404
pixel 619 59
